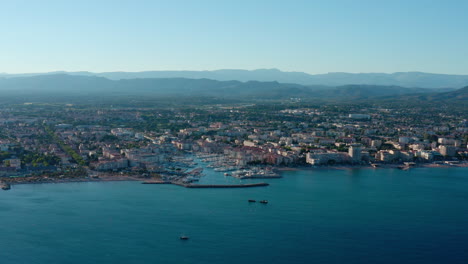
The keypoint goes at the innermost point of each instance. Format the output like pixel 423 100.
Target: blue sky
pixel 309 36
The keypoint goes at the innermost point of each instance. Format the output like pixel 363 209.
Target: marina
pixel 227 167
pixel 187 169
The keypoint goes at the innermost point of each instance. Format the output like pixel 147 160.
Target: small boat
pixel 252 201
pixel 264 201
pixel 403 167
pixel 184 237
pixel 5 186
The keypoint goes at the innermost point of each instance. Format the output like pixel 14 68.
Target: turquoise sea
pixel 313 216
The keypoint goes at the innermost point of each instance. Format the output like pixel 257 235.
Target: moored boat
pixel 5 186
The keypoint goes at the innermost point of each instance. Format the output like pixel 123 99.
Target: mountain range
pixel 73 85
pixel 403 79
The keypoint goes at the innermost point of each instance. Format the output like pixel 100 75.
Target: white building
pixel 355 152
pixel 326 158
pixel 359 116
pixel 446 150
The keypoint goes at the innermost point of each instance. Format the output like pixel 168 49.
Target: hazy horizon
pixel 223 69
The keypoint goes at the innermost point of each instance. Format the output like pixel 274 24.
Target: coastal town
pixel 55 143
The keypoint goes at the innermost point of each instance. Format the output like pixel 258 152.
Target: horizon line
pixel 222 69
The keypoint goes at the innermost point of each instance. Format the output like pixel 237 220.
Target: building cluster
pixel 149 139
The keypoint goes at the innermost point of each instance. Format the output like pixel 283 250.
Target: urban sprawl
pixel 49 143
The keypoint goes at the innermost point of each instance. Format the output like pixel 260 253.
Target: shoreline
pixel 74 180
pixel 116 178
pixel 381 166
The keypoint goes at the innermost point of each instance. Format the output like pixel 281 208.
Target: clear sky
pixel 309 36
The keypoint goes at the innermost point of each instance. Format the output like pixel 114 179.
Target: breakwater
pixel 260 177
pixel 260 184
pixel 156 182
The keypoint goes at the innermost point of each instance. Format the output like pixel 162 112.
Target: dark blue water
pixel 321 216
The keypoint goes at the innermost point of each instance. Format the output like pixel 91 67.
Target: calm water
pixel 326 216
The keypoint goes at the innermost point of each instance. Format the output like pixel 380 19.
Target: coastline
pixel 155 180
pixel 381 166
pixel 71 180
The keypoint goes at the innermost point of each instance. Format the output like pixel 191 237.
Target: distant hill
pixel 360 92
pixel 71 85
pixel 457 95
pixel 403 79
pixel 82 85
